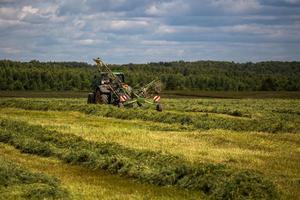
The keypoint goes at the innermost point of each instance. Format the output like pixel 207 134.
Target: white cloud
pixel 10 50
pixel 162 29
pixel 158 42
pixel 5 23
pixel 167 8
pixel 79 23
pixel 86 42
pixel 279 32
pixel 126 24
pixel 27 10
pixel 8 13
pixel 148 30
pixel 30 9
pixel 248 29
pixel 237 6
pixel 184 30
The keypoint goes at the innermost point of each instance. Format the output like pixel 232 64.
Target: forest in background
pixel 179 75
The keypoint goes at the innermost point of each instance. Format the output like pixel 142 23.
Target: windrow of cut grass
pixel 214 180
pixel 268 123
pixel 86 184
pixel 19 183
pixel 250 108
pixel 194 106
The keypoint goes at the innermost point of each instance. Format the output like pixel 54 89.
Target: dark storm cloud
pixel 123 31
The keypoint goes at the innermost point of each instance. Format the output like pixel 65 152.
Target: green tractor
pixel 110 88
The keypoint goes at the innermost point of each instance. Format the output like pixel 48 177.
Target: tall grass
pixel 215 180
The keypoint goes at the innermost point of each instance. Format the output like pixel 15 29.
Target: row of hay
pixel 214 180
pixel 270 123
pixel 19 183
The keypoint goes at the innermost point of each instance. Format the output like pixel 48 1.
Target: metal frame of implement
pixel 127 97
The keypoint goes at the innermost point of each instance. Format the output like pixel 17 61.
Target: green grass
pixel 83 183
pixel 168 94
pixel 44 94
pixel 17 182
pixel 233 94
pixel 146 166
pixel 218 115
pixel 270 149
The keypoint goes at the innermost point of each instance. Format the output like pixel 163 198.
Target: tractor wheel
pixel 90 98
pixel 104 98
pixel 101 98
pixel 98 97
pixel 159 107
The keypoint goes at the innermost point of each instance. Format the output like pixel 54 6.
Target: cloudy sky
pixel 137 31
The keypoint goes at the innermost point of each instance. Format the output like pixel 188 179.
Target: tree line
pixel 179 75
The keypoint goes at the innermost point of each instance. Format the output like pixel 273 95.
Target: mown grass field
pixel 167 94
pixel 194 149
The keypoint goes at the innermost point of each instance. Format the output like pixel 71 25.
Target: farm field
pixel 194 149
pixel 168 94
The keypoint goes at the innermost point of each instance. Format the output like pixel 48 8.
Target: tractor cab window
pixel 121 77
pixel 104 79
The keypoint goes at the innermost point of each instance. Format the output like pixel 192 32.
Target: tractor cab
pixel 105 79
pixel 120 75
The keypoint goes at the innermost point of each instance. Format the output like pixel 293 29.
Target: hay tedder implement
pixel 111 88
